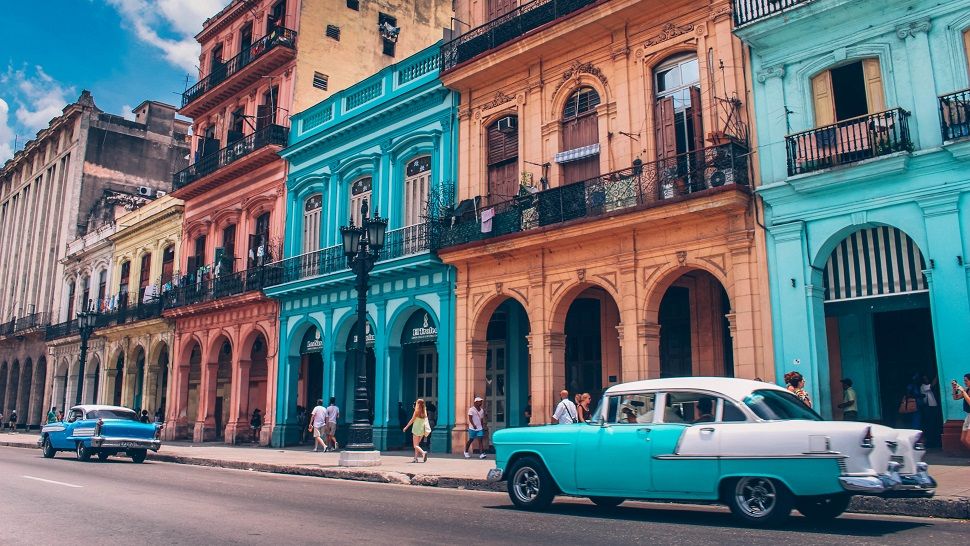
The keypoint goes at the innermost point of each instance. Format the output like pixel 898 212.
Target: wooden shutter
pixel 263 114
pixel 875 98
pixel 666 129
pixel 696 116
pixel 823 99
pixel 498 8
pixel 581 131
pixel 966 47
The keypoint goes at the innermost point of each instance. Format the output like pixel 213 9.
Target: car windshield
pixel 772 405
pixel 123 414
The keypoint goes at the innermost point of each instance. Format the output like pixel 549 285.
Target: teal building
pixel 390 141
pixel 861 115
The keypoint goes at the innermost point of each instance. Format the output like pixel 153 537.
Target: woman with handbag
pixel 420 428
pixel 908 410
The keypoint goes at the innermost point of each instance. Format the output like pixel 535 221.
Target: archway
pixel 160 382
pixel 119 375
pixel 223 388
pixel 879 329
pixel 3 386
pixel 23 398
pixel 310 379
pixel 193 385
pixel 258 378
pixel 136 391
pixel 351 371
pixel 60 386
pixel 507 366
pixel 695 333
pixel 588 319
pixel 96 382
pixel 419 366
pixel 13 389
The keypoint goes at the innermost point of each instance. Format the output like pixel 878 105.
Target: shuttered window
pixel 498 8
pixel 311 222
pixel 678 116
pixel 320 81
pixel 360 191
pixel 503 155
pixel 848 91
pixel 416 183
pixel 580 130
pixel 333 31
pixel 966 47
pixel 874 262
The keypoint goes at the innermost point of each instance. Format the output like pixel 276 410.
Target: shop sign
pixel 312 344
pixel 423 331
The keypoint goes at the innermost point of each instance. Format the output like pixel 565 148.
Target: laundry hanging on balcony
pixel 577 153
pixel 487 216
pixel 873 262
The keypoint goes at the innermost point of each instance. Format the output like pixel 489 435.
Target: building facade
pixel 393 149
pixel 606 230
pixel 865 188
pixel 260 61
pixel 49 196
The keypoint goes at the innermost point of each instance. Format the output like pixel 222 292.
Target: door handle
pixel 707 430
pixel 645 430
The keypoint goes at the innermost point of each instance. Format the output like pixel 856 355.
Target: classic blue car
pixel 751 445
pixel 102 430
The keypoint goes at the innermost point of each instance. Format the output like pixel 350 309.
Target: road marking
pixel 52 481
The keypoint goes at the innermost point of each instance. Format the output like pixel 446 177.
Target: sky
pixel 123 51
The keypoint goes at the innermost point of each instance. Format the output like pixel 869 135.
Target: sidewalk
pixel 952 498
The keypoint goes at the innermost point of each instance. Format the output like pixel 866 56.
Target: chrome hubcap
pixel 756 496
pixel 526 484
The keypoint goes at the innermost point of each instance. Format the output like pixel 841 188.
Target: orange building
pixel 606 229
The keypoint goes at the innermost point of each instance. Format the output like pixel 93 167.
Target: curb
pixel 940 507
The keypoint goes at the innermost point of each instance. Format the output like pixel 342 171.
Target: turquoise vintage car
pixel 100 430
pixel 748 444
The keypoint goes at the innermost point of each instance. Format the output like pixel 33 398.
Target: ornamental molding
pixel 668 32
pixel 720 12
pixel 500 99
pixel 910 30
pixel 777 71
pixel 576 69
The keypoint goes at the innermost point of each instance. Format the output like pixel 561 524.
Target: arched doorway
pixel 193 385
pixel 161 381
pixel 351 371
pixel 137 389
pixel 96 380
pixel 879 329
pixel 23 398
pixel 13 389
pixel 223 386
pixel 60 387
pixel 419 365
pixel 591 345
pixel 258 378
pixel 310 380
pixel 507 366
pixel 3 386
pixel 118 381
pixel 37 391
pixel 695 333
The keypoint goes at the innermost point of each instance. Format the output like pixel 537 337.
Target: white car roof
pixel 734 388
pixel 89 407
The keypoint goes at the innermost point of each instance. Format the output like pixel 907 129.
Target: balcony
pixel 31 321
pixel 206 287
pixel 506 28
pixel 62 329
pixel 748 11
pixel 398 243
pixel 6 329
pixel 848 141
pixel 131 313
pixel 244 155
pixel 684 176
pixel 955 115
pixel 225 80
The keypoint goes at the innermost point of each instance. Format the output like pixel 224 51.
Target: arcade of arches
pixel 22 390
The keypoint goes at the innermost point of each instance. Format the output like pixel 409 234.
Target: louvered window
pixel 311 222
pixel 360 191
pixel 579 157
pixel 503 155
pixel 320 81
pixel 416 183
pixel 333 31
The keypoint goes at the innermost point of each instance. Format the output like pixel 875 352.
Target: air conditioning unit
pixel 144 191
pixel 720 177
pixel 160 193
pixel 508 124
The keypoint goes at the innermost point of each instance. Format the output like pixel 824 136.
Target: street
pixel 63 500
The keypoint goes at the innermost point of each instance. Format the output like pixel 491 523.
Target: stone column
pixel 548 369
pixel 744 307
pixel 205 421
pixel 774 127
pixel 469 383
pixel 926 108
pixel 648 336
pixel 237 429
pixel 176 422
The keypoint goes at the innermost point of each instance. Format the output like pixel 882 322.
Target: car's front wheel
pixel 103 455
pixel 607 502
pixel 530 485
pixel 48 449
pixel 823 507
pixel 138 455
pixel 759 501
pixel 83 453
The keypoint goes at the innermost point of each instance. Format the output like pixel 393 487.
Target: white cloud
pixel 169 26
pixel 32 99
pixel 6 132
pixel 127 113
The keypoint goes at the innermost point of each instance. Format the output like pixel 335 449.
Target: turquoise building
pixel 861 114
pixel 389 140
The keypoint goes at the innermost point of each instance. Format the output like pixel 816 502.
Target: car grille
pixel 897 459
pixel 843 468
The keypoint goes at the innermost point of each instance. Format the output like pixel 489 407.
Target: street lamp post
pixel 86 321
pixel 362 246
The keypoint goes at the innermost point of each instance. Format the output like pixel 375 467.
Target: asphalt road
pixel 65 501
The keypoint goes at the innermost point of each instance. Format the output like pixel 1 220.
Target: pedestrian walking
pixel 1 420
pixel 144 417
pixel 931 417
pixel 318 420
pixel 796 385
pixel 13 420
pixel 476 427
pixel 60 416
pixel 961 393
pixel 527 412
pixel 849 405
pixel 582 409
pixel 160 415
pixel 420 429
pixel 256 424
pixel 333 413
pixel 52 415
pixel 565 413
pixel 301 423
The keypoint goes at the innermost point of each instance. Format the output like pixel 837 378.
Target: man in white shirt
pixel 476 427
pixel 318 423
pixel 565 413
pixel 333 412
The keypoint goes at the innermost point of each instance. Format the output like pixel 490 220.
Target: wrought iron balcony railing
pixel 955 115
pixel 746 11
pixel 33 320
pixel 6 329
pixel 397 244
pixel 848 141
pixel 62 329
pixel 278 37
pixel 125 313
pixel 201 288
pixel 681 176
pixel 504 29
pixel 208 164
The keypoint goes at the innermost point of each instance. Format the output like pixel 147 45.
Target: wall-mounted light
pixel 932 263
pixel 959 260
pixel 793 282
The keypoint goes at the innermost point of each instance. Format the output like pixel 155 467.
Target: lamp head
pixel 351 238
pixel 376 231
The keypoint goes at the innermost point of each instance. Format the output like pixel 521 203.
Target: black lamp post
pixel 86 321
pixel 362 246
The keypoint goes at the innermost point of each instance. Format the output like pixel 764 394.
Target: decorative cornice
pixel 577 68
pixel 910 30
pixel 668 32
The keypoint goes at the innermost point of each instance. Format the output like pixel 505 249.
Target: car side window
pixel 732 414
pixel 74 416
pixel 632 408
pixel 690 408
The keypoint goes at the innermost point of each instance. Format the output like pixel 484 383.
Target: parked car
pixel 748 444
pixel 100 430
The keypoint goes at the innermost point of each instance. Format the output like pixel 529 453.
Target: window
pixel 123 285
pixel 197 259
pixel 266 112
pixel 848 91
pixel 276 17
pixel 580 134
pixel 690 407
pixel 353 4
pixel 86 293
pixel 102 287
pixel 238 119
pixel 772 405
pixel 730 413
pixel 417 182
pixel 320 81
pixel 144 275
pixel 120 414
pixel 168 264
pixel 246 37
pixel 630 408
pixel 333 31
pixel 498 8
pixel 387 26
pixel 70 300
pixel 226 260
pixel 259 253
pixel 311 222
pixel 389 47
pixel 360 192
pixel 678 107
pixel 503 159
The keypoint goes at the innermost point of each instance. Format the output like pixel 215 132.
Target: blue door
pixel 614 458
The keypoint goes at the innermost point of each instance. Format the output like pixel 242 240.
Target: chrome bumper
pixel 125 443
pixel 494 475
pixel 892 484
